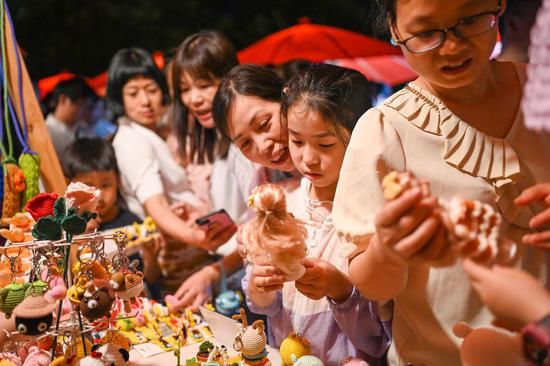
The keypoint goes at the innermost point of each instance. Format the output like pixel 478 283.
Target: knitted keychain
pixel 14 181
pixel 14 293
pixel 29 161
pixel 127 281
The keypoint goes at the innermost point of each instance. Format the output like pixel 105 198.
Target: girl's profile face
pixel 197 95
pixel 315 149
pixel 142 99
pixel 254 126
pixel 458 61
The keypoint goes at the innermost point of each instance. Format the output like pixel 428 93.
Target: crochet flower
pixel 82 197
pixel 41 205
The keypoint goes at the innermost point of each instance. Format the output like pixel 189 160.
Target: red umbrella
pixel 315 43
pixel 387 69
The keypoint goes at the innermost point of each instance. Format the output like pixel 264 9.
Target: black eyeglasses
pixel 465 28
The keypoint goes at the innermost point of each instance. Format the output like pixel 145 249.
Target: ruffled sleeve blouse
pixel 414 131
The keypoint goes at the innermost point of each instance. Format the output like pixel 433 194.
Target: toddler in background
pixel 92 161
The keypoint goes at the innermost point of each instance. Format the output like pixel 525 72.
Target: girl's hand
pixel 211 238
pixel 537 193
pixel 323 279
pixel 194 291
pixel 512 295
pixel 266 277
pixel 409 227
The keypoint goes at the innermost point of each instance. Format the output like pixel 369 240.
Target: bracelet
pixel 536 341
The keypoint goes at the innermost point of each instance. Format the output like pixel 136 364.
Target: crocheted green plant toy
pixel 51 227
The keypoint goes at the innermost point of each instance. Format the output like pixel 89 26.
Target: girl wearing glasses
pixel 458 126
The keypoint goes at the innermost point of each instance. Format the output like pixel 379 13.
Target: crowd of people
pixel 201 134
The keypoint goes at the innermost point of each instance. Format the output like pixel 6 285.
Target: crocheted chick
pixel 34 315
pixel 295 344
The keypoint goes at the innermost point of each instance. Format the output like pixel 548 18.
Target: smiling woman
pixel 151 180
pixel 247 109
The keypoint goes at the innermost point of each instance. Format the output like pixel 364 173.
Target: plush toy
pixel 112 354
pixel 96 303
pixel 14 184
pixel 11 296
pixel 307 360
pixel 37 357
pixel 9 359
pixel 350 361
pixel 251 341
pixel 34 315
pixel 128 287
pixel 65 361
pixel 94 359
pixel 489 346
pixel 472 226
pixel 116 338
pixel 56 289
pixel 293 345
pixel 36 288
pixel 20 227
pixel 275 235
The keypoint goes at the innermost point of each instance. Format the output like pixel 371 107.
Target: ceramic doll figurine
pixel 274 234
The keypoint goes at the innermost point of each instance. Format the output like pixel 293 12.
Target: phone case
pixel 221 217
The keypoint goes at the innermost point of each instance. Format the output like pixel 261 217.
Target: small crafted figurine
pixel 128 287
pixel 274 234
pixel 34 315
pixel 307 360
pixel 251 341
pixel 96 303
pixel 294 345
pixel 489 346
pixel 472 226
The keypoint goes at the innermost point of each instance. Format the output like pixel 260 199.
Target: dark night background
pixel 80 36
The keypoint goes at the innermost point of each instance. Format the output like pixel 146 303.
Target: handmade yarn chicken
pixel 472 226
pixel 274 234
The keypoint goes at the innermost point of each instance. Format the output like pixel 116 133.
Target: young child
pixel 459 127
pixel 92 161
pixel 321 106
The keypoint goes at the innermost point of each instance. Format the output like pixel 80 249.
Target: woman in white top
pixel 151 180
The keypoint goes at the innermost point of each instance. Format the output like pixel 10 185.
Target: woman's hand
pixel 409 227
pixel 537 193
pixel 266 277
pixel 323 279
pixel 195 290
pixel 210 238
pixel 512 295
